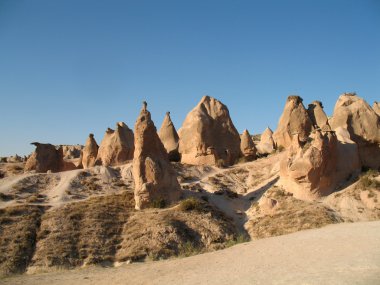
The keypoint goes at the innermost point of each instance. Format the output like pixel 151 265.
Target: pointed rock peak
pixel 245 132
pixel 316 104
pixel 376 107
pixel 110 131
pixel 268 130
pixel 91 136
pixel 297 99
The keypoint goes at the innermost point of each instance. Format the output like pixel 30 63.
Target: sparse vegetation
pixel 190 204
pixel 158 203
pixel 367 180
pixel 189 248
pixel 240 238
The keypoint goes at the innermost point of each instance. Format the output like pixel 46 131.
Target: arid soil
pixel 337 254
pixel 78 218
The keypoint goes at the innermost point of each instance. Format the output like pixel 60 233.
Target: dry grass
pixel 368 181
pixel 18 230
pixel 290 215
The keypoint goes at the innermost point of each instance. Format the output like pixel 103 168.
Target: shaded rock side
pixel 318 115
pixel 363 124
pixel 47 158
pixel 294 120
pixel 376 107
pixel 89 153
pixel 117 146
pixel 208 135
pixel 247 146
pixel 154 176
pixel 266 144
pixel 169 138
pixel 71 151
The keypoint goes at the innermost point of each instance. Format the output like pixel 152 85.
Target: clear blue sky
pixel 71 67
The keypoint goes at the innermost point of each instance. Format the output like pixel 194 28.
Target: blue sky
pixel 71 67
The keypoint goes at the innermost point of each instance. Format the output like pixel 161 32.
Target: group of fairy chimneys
pixel 324 153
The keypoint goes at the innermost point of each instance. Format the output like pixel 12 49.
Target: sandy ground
pixel 336 254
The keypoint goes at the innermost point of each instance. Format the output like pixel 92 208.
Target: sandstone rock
pixel 208 135
pixel 89 153
pixel 376 107
pixel 154 176
pixel 15 158
pixel 294 120
pixel 247 146
pixel 317 115
pixel 117 146
pixel 46 157
pixel 71 151
pixel 169 138
pixel 330 159
pixel 308 169
pixel 266 145
pixel 363 124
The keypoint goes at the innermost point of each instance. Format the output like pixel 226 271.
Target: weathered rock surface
pixel 117 146
pixel 247 146
pixel 266 145
pixel 169 138
pixel 71 151
pixel 154 176
pixel 294 120
pixel 376 107
pixel 89 153
pixel 318 116
pixel 47 158
pixel 208 135
pixel 363 124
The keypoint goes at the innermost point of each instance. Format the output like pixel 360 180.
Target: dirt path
pixel 336 254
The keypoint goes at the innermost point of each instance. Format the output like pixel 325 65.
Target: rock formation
pixel 247 146
pixel 169 138
pixel 47 158
pixel 318 116
pixel 154 177
pixel 363 124
pixel 308 169
pixel 89 153
pixel 208 135
pixel 266 144
pixel 376 107
pixel 294 120
pixel 117 146
pixel 71 151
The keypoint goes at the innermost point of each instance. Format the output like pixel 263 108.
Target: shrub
pixel 368 180
pixel 158 203
pixel 240 238
pixel 188 249
pixel 190 204
pixel 280 148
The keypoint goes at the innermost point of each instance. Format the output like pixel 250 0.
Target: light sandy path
pixel 336 254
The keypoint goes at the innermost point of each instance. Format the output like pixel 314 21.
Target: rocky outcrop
pixel 363 124
pixel 117 146
pixel 247 146
pixel 307 170
pixel 208 136
pixel 294 120
pixel 14 158
pixel 318 116
pixel 47 158
pixel 266 144
pixel 169 138
pixel 328 160
pixel 376 107
pixel 89 153
pixel 71 151
pixel 154 176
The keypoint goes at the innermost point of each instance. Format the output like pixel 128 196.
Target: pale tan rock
pixel 154 176
pixel 318 116
pixel 294 120
pixel 169 138
pixel 266 144
pixel 363 124
pixel 247 146
pixel 308 170
pixel 71 151
pixel 117 146
pixel 46 157
pixel 208 135
pixel 376 107
pixel 89 153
